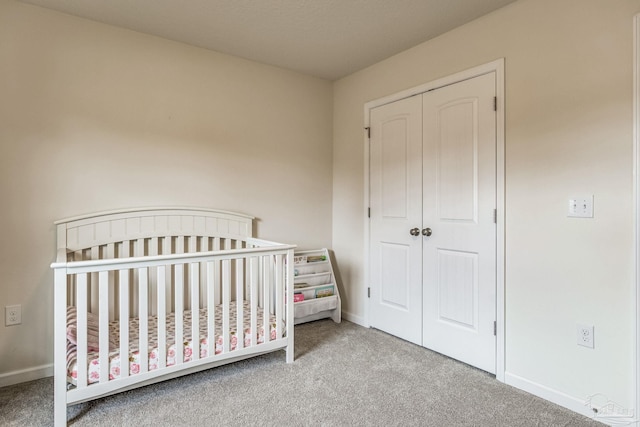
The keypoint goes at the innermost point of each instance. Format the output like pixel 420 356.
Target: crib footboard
pixel 126 322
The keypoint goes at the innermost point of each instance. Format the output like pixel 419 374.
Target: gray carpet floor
pixel 344 375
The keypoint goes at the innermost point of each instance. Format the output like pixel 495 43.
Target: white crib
pixel 176 290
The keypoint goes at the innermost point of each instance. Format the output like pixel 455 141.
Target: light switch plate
pixel 580 207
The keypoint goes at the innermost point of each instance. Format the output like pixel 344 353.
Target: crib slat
pixel 204 247
pixel 81 331
pixel 279 295
pixel 179 312
pixel 195 311
pixel 261 290
pixel 254 265
pixel 71 293
pixel 162 317
pixel 226 283
pixel 272 283
pixel 153 294
pixel 111 254
pixel 180 248
pixel 103 320
pixel 94 298
pixel 166 250
pixel 211 309
pixel 216 247
pixel 125 252
pixel 73 296
pixel 143 314
pixel 124 322
pixel 266 294
pixel 239 303
pixel 226 302
pixel 125 249
pixel 134 294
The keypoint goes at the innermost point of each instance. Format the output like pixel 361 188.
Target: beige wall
pixel 568 131
pixel 94 118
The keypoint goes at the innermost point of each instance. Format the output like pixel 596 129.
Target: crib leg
pixel 59 387
pixel 60 403
pixel 290 347
pixel 289 351
pixel 60 348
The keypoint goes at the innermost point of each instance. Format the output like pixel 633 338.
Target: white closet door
pixel 396 208
pixel 459 190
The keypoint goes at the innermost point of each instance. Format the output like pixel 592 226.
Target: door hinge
pixel 368 292
pixel 495 103
pixel 369 212
pixel 495 216
pixel 495 328
pixel 368 129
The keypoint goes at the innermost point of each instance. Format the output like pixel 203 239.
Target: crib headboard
pixel 104 228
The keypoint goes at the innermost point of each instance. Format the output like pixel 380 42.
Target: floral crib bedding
pixel 93 375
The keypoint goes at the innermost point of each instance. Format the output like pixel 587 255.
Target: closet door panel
pixel 459 192
pixel 396 207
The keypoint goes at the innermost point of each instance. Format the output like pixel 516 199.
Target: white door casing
pixel 636 211
pixel 496 67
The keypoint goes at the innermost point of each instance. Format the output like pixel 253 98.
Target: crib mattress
pixel 93 361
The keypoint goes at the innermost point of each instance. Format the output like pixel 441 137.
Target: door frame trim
pixel 496 66
pixel 635 292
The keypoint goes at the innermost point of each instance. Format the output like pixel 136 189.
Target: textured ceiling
pixel 324 38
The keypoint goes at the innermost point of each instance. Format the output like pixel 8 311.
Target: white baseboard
pixel 553 396
pixel 358 320
pixel 566 401
pixel 24 375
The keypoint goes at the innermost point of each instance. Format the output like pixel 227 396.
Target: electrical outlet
pixel 585 335
pixel 12 315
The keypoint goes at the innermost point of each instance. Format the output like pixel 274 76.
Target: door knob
pixel 426 232
pixel 414 231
